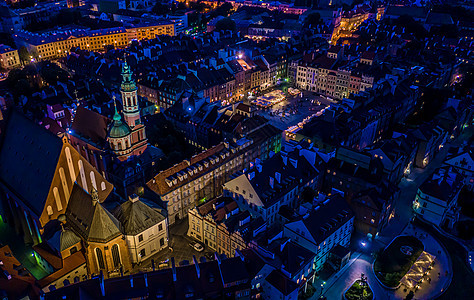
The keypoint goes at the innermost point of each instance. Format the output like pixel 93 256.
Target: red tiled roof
pixel 158 183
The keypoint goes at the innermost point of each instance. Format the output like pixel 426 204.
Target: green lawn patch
pixel 359 291
pixel 395 260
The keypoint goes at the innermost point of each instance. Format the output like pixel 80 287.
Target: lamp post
pixel 322 289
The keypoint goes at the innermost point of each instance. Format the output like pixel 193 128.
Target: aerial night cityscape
pixel 236 149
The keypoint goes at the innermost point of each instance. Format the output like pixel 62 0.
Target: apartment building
pixel 222 227
pixel 329 75
pixel 277 182
pixel 328 225
pixel 57 44
pixel 436 198
pixel 144 227
pixel 9 57
pixel 194 181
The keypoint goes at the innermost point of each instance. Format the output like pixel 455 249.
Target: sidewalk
pixel 332 280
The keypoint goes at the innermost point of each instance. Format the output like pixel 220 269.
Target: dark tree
pixel 24 54
pixel 225 24
pixel 312 20
pixel 160 9
pixel 308 194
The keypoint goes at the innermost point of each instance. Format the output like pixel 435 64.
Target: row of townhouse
pixel 226 78
pixel 222 226
pixel 57 44
pixel 201 178
pixel 329 75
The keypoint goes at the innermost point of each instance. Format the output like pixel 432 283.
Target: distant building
pixel 9 57
pixel 109 6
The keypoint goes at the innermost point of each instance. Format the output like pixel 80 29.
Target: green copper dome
pixel 119 129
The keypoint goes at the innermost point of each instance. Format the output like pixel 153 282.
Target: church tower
pixel 128 138
pixel 128 89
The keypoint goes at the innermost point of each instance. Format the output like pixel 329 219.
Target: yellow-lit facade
pixel 9 58
pixel 97 40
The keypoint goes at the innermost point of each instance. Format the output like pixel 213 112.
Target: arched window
pixel 103 186
pixel 49 209
pixel 92 175
pixel 100 258
pixel 59 205
pixel 116 256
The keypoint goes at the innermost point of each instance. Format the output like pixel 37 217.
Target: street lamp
pixel 322 288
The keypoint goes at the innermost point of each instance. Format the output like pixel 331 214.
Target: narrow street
pixel 361 262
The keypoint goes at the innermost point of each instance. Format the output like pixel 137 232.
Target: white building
pixel 145 228
pixel 436 199
pixel 326 226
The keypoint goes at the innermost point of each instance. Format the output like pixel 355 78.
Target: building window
pixel 162 242
pixel 142 253
pixel 116 256
pixel 160 227
pixel 140 238
pixel 100 258
pixel 73 250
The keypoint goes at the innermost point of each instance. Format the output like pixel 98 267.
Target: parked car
pixel 196 246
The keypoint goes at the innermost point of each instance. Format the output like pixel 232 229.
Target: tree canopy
pixel 225 24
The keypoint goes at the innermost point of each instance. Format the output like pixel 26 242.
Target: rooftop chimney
pixel 251 175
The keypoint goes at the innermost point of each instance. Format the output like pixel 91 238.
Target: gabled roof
pixel 28 158
pixel 90 125
pixel 91 220
pixel 327 218
pixel 136 216
pixel 233 270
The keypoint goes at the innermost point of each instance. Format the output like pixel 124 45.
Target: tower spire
pixel 117 116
